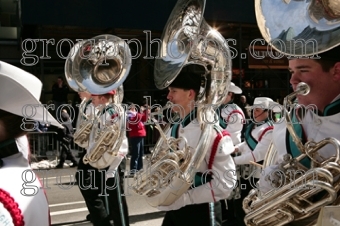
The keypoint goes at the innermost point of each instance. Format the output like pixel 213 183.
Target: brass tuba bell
pixel 312 27
pixel 98 65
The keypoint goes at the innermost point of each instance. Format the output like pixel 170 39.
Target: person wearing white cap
pixel 258 133
pixel 96 205
pixel 23 201
pixel 232 119
pixel 231 115
pixel 258 136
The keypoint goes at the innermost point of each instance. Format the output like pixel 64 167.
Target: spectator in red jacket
pixel 136 133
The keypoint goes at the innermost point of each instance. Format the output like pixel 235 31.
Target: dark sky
pixel 134 14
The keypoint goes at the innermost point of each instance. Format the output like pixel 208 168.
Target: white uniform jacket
pixel 261 135
pixel 21 183
pixel 108 116
pixel 223 167
pixel 232 119
pixel 313 127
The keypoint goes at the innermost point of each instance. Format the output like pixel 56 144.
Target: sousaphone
pixel 100 65
pixel 186 39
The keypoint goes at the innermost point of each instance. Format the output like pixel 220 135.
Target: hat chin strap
pixel 265 110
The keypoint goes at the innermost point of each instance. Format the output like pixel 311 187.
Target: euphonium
pixel 100 65
pixel 301 89
pixel 187 39
pixel 295 186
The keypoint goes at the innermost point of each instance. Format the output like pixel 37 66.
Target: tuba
pixel 186 39
pixel 99 65
pixel 297 199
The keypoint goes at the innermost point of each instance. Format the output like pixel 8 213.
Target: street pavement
pixel 67 206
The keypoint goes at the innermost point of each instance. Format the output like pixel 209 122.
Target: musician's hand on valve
pixel 183 200
pixel 271 178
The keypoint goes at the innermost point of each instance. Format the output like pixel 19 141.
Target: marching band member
pixel 231 115
pixel 232 119
pixel 315 124
pixel 306 142
pixel 192 207
pixel 23 201
pixel 92 196
pixel 258 135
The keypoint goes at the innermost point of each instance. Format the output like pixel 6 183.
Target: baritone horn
pixel 298 199
pixel 186 39
pixel 271 155
pixel 100 65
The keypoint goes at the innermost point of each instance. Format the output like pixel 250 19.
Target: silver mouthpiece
pixel 302 88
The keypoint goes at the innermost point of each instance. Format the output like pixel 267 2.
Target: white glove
pixel 183 200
